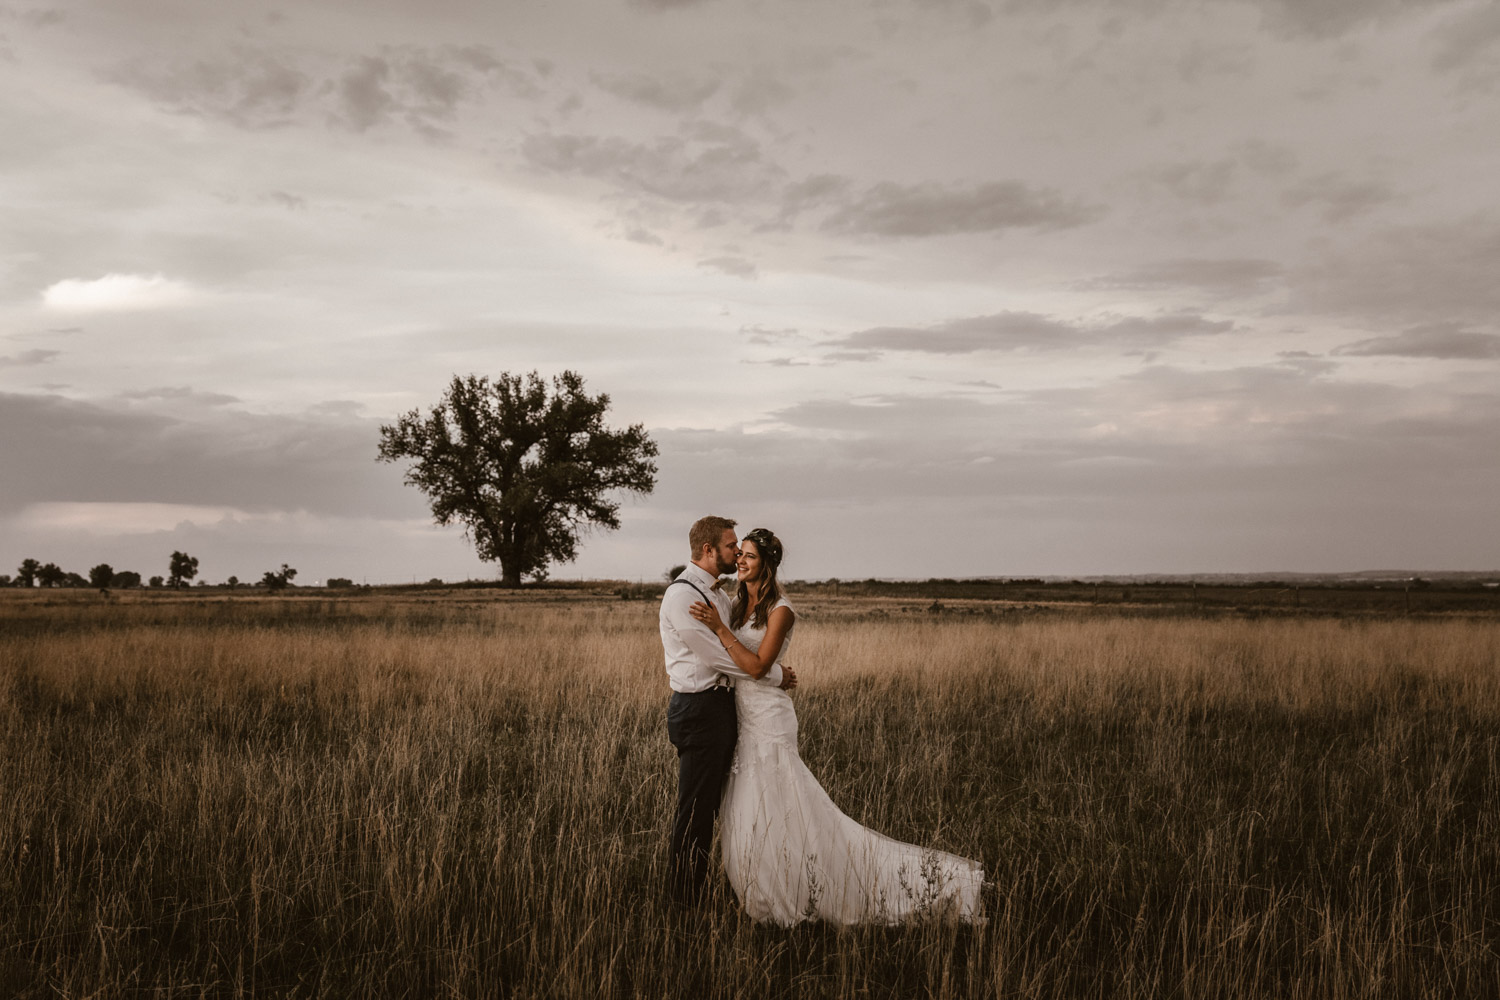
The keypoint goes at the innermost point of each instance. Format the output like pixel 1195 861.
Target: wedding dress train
pixel 792 855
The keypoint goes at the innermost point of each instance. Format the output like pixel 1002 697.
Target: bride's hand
pixel 708 615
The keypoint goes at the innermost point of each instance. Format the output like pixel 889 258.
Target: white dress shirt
pixel 696 660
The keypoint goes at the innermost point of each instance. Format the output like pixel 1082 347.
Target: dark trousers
pixel 703 729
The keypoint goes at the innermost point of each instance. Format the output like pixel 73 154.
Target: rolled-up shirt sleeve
pixel 700 639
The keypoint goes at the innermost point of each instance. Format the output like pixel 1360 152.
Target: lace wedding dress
pixel 791 855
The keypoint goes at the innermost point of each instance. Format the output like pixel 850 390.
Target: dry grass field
pixel 467 796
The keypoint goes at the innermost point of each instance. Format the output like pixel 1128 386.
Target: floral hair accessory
pixel 768 545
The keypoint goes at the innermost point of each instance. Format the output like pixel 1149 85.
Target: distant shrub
pixel 340 581
pixel 275 581
pixel 640 592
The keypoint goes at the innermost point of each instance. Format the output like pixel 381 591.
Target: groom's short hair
pixel 707 531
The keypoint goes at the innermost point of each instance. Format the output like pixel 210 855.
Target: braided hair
pixel 770 550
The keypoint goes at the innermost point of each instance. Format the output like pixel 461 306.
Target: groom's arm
pixel 700 640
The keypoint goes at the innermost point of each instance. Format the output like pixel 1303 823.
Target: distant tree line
pixel 181 570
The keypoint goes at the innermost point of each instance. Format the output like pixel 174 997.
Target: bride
pixel 790 853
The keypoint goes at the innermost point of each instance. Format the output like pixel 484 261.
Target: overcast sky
pixel 929 287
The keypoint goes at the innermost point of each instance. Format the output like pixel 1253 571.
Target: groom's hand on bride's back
pixel 788 678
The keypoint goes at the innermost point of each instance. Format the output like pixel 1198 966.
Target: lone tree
pixel 102 576
pixel 26 573
pixel 277 581
pixel 523 469
pixel 183 568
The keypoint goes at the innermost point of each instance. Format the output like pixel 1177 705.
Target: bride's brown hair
pixel 770 550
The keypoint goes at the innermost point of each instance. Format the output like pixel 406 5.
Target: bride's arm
pixel 755 664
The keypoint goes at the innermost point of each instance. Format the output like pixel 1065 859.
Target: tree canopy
pixel 275 581
pixel 523 469
pixel 183 567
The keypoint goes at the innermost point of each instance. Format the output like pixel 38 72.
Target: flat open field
pixel 399 795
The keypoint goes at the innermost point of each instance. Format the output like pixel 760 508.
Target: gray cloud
pixel 760 91
pixel 363 98
pixel 180 393
pixel 1267 158
pixel 890 209
pixel 780 362
pixel 1201 182
pixel 812 192
pixel 1330 18
pixel 710 164
pixel 28 359
pixel 761 335
pixel 39 17
pixel 1316 19
pixel 1466 38
pixel 1415 274
pixel 1025 331
pixel 1340 197
pixel 731 169
pixel 675 95
pixel 1445 341
pixel 638 234
pixel 1227 276
pixel 295 203
pixel 1229 465
pixel 737 267
pixel 248 87
pixel 190 449
pixel 1307 363
pixel 423 87
pixel 1200 62
pixel 1006 331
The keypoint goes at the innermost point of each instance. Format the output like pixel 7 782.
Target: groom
pixel 700 717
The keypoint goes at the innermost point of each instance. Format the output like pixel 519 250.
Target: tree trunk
pixel 509 577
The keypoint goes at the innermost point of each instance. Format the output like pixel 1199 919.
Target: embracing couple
pixel 789 852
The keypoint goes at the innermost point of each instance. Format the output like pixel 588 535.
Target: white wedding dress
pixel 792 855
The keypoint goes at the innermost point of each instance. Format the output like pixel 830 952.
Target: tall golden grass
pixel 402 798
